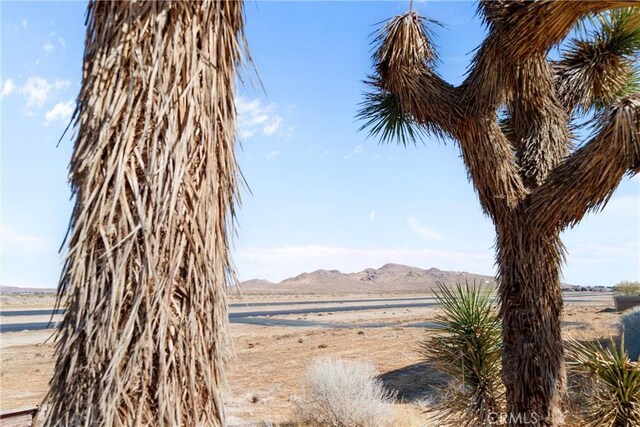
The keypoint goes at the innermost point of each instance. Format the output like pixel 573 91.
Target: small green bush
pixel 627 288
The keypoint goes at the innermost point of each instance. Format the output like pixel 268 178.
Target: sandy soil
pixel 270 363
pixel 26 301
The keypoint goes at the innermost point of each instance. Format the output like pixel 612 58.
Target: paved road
pixel 44 312
pixel 48 312
pixel 265 317
pixel 18 327
pixel 261 317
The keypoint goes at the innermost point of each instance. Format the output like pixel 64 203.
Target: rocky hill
pixel 5 290
pixel 388 278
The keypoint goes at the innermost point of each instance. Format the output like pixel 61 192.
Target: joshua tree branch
pixel 403 67
pixel 520 30
pixel 403 63
pixel 490 162
pixel 538 121
pixel 597 167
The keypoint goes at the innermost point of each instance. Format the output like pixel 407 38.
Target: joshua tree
pixel 514 118
pixel 144 337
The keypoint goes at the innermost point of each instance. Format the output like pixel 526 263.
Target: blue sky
pixel 324 195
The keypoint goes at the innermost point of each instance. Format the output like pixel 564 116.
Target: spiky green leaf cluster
pixel 466 345
pixel 614 399
pixel 386 119
pixel 605 57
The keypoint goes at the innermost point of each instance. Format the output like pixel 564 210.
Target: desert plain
pixel 273 351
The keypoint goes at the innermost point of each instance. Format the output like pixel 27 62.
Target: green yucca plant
pixel 614 383
pixel 466 344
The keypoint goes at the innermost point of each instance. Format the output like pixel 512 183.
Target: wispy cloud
pixel 14 239
pixel 24 23
pixel 272 125
pixel 62 43
pixel 602 262
pixel 372 215
pixel 357 150
pixel 62 84
pixel 255 117
pixel 48 47
pixel 424 231
pixel 600 251
pixel 624 206
pixel 272 154
pixel 278 263
pixel 36 91
pixel 61 112
pixel 7 87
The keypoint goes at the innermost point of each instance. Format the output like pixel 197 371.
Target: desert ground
pixel 268 371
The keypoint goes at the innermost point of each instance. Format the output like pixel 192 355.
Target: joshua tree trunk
pixel 511 119
pixel 144 337
pixel 531 306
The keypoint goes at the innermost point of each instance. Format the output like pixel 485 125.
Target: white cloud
pixel 48 47
pixel 272 126
pixel 357 150
pixel 61 112
pixel 278 263
pixel 24 23
pixel 372 216
pixel 36 91
pixel 424 231
pixel 13 239
pixel 272 154
pixel 7 87
pixel 62 84
pixel 254 117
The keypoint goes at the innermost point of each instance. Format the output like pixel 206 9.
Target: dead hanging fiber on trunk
pixel 144 338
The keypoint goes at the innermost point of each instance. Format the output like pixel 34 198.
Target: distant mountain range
pixel 19 290
pixel 388 278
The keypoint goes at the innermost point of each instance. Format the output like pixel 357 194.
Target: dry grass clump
pixel 341 393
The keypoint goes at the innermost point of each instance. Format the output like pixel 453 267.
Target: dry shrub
pixel 627 288
pixel 340 393
pixel 630 326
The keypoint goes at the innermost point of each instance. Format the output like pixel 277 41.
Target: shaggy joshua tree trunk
pixel 513 118
pixel 144 337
